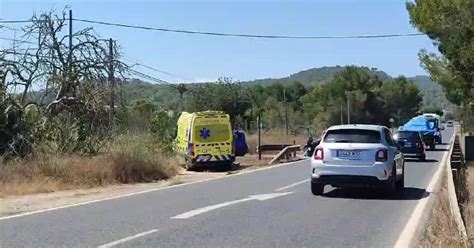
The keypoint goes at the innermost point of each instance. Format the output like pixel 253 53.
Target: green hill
pixel 168 95
pixel 312 76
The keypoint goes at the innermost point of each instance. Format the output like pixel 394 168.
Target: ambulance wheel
pixel 228 166
pixel 188 165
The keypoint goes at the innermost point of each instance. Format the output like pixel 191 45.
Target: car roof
pixel 357 126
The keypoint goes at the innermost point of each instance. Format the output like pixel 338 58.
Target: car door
pixel 397 155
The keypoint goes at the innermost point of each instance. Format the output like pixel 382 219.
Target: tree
pixel 358 86
pixel 67 83
pixel 402 99
pixel 450 24
pixel 223 95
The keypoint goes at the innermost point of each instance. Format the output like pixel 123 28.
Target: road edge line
pixel 144 191
pixel 412 226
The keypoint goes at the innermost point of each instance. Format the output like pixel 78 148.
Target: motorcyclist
pixel 310 145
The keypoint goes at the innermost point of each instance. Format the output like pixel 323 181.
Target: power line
pixel 247 35
pixel 158 70
pixel 143 75
pixel 369 36
pixel 16 40
pixel 15 21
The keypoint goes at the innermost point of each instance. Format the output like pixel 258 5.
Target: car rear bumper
pixel 379 170
pixel 412 152
pixel 349 181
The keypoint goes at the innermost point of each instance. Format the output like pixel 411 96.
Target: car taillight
pixel 319 153
pixel 419 145
pixel 381 155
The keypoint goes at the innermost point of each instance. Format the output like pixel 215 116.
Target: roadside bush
pixel 130 160
pixel 136 160
pixel 162 128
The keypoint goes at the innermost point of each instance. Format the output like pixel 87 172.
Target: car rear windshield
pixel 352 136
pixel 408 135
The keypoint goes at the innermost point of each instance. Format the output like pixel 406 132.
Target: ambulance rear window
pixel 212 133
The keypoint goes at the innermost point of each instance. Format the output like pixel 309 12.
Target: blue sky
pixel 203 58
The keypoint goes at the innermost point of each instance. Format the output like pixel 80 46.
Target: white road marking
pixel 406 237
pixel 120 241
pixel 143 192
pixel 202 210
pixel 292 185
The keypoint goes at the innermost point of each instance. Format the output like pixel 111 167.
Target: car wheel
pixel 389 188
pixel 317 188
pixel 401 183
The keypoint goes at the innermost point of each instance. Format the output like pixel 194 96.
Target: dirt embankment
pixel 441 229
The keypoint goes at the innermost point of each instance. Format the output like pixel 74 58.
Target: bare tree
pixel 65 82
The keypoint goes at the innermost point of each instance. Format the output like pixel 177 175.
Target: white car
pixel 357 155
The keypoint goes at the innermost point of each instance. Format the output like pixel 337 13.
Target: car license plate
pixel 407 144
pixel 348 154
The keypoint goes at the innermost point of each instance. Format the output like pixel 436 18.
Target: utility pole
pixel 342 115
pixel 69 58
pixel 70 36
pixel 348 110
pixel 182 89
pixel 286 111
pixel 112 85
pixel 259 127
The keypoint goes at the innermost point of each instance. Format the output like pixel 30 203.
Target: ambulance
pixel 205 139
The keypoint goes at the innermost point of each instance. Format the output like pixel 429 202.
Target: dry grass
pixel 441 229
pixel 275 136
pixel 129 161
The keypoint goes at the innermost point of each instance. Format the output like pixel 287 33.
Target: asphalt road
pixel 254 211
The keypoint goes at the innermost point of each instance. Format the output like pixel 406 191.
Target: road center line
pixel 207 209
pixel 292 185
pixel 261 197
pixel 120 241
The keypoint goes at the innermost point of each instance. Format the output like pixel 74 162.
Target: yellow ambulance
pixel 205 138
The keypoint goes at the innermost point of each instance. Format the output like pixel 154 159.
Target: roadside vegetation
pixel 65 122
pixel 441 229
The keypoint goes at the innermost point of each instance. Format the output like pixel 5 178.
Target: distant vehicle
pixel 240 143
pixel 438 134
pixel 357 155
pixel 411 144
pixel 205 138
pixel 450 124
pixel 426 127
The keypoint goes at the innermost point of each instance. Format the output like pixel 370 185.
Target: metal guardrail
pixel 271 147
pixel 286 152
pixel 454 166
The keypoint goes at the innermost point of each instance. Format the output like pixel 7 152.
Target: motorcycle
pixel 310 146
